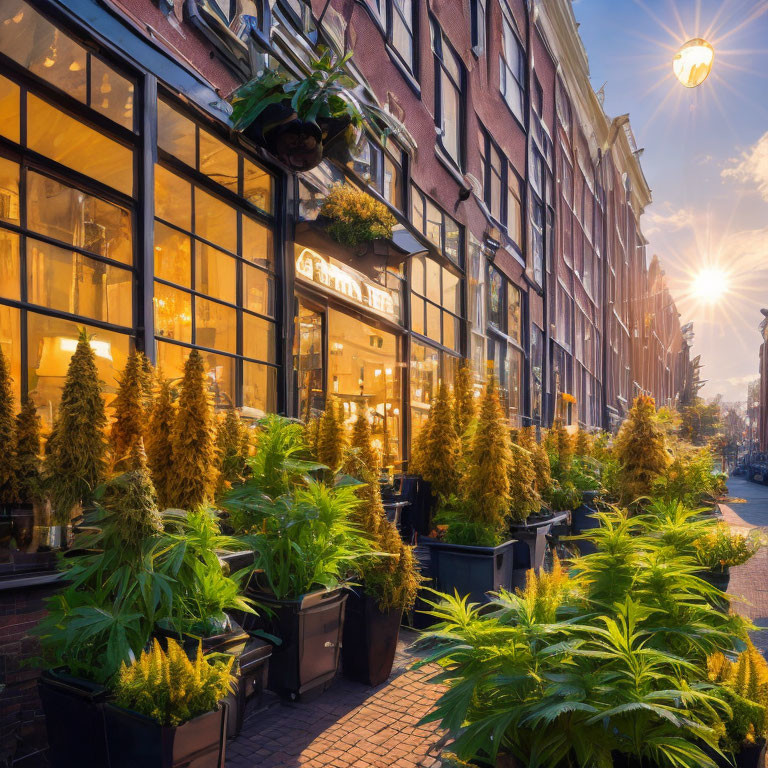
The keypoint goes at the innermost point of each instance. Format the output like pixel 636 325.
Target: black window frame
pixel 505 70
pixel 478 19
pixel 440 45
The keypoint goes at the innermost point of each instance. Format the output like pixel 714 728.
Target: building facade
pixel 759 416
pixel 130 207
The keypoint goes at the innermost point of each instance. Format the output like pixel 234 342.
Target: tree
pixel 76 460
pixel 700 421
pixel 486 485
pixel 463 398
pixel 6 431
pixel 331 439
pixel 159 443
pixel 130 412
pixel 193 440
pixel 232 447
pixel 26 455
pixel 640 449
pixel 441 447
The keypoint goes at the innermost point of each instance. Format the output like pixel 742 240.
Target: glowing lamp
pixel 693 62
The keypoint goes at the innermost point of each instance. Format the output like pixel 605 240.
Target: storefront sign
pixel 347 283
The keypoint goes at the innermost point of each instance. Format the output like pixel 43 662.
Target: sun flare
pixel 710 285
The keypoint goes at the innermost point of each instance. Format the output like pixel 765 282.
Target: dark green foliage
pixel 331 438
pixel 159 444
pixel 26 465
pixel 6 432
pixel 463 399
pixel 76 463
pixel 193 480
pixel 232 447
pixel 441 447
pixel 130 412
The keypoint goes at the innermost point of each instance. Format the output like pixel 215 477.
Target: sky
pixel 705 157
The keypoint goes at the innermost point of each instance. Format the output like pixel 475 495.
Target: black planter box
pixel 74 720
pixel 135 740
pixel 310 629
pixel 369 640
pixel 469 570
pixel 719 579
pixel 232 641
pixel 530 547
pixel 251 669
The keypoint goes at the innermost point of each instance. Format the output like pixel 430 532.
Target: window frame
pixel 509 24
pixel 440 45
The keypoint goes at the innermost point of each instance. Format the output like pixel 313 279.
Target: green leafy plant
pixel 159 443
pixel 721 548
pixel 25 462
pixel 464 408
pixel 689 478
pixel 524 498
pixel 6 431
pixel 233 449
pixel 331 439
pixel 130 412
pixel 169 688
pixel 355 216
pixel 76 454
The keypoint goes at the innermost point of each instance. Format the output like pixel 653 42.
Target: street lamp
pixel 693 62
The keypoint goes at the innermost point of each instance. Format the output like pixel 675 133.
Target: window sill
pixel 408 76
pixel 448 163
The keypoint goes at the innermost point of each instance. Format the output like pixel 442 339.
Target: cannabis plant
pixel 159 443
pixel 25 462
pixel 75 461
pixel 463 398
pixel 355 216
pixel 169 688
pixel 193 440
pixel 233 450
pixel 130 412
pixel 6 431
pixel 524 498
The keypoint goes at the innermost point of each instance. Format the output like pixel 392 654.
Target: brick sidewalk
pixel 348 726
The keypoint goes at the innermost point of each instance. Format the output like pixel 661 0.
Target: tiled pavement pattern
pixel 348 726
pixel 749 582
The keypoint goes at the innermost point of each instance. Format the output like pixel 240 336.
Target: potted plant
pixel 130 412
pixel 167 712
pixel 75 461
pixel 389 579
pixel 25 464
pixel 719 550
pixel 306 546
pixel 352 217
pixel 473 555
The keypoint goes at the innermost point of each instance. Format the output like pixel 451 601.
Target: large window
pixel 478 22
pixel 397 18
pixel 504 305
pixel 214 264
pixel 501 188
pixel 436 302
pixel 67 213
pixel 512 66
pixel 449 84
pixel 428 367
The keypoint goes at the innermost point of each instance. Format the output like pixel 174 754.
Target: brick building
pixel 760 414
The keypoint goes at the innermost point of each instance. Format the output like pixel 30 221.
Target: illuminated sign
pixel 348 283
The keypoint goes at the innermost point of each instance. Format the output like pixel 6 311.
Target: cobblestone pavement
pixel 749 582
pixel 348 726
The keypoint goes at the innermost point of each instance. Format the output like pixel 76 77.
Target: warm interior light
pixel 693 62
pixel 710 285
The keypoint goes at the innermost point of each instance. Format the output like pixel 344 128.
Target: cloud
pixel 737 380
pixel 667 220
pixel 751 167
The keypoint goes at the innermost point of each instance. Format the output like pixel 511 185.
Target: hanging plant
pixel 299 118
pixel 355 217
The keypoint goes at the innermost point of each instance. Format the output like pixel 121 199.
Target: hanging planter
pixel 301 120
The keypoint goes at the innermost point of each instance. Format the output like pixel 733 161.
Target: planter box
pixel 370 639
pixel 232 641
pixel 469 570
pixel 530 547
pixel 719 579
pixel 251 668
pixel 74 720
pixel 310 629
pixel 135 740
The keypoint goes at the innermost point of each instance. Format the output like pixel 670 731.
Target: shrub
pixel 539 459
pixel 75 462
pixel 583 444
pixel 722 549
pixel 355 216
pixel 169 688
pixel 193 440
pixel 160 444
pixel 641 451
pixel 6 431
pixel 689 478
pixel 232 450
pixel 463 398
pixel 524 498
pixel 25 463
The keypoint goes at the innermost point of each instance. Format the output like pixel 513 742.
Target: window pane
pixel 50 345
pixel 452 240
pixel 175 134
pixel 451 292
pixel 218 161
pixel 257 242
pixel 258 291
pixel 424 376
pixel 10 343
pixel 70 282
pixel 172 255
pixel 170 361
pixel 67 141
pixel 258 338
pixel 450 118
pixel 33 42
pixel 9 191
pixel 514 213
pixel 215 273
pixel 259 388
pixel 433 322
pixel 433 280
pixel 417 210
pixel 451 332
pixel 79 219
pixel 173 199
pixel 221 378
pixel 111 94
pixel 417 314
pixel 402 40
pixel 9 110
pixel 257 186
pixel 513 312
pixel 215 220
pixel 434 231
pixel 173 313
pixel 417 274
pixel 216 325
pixel 393 183
pixel 10 287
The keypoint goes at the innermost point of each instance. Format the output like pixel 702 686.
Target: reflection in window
pixel 437 226
pixel 308 361
pixel 449 109
pixel 10 343
pixel 512 67
pixel 434 287
pixel 10 121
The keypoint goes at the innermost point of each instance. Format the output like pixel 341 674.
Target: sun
pixel 710 285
